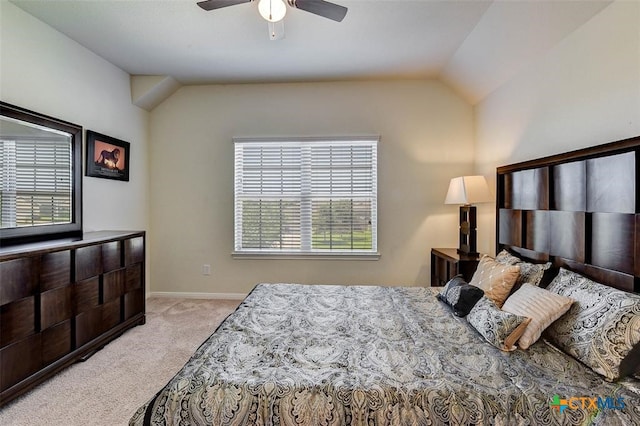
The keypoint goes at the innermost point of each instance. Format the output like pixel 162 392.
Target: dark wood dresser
pixel 62 300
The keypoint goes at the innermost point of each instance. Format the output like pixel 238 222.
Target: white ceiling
pixel 474 45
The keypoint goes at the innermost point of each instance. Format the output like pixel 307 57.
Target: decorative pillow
pixel 531 273
pixel 496 279
pixel 460 295
pixel 542 306
pixel 602 329
pixel 501 329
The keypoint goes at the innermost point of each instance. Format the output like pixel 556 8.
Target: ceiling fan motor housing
pixel 323 8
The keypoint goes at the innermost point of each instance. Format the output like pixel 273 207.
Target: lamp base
pixel 468 254
pixel 467 244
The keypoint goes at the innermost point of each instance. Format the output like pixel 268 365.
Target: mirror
pixel 40 177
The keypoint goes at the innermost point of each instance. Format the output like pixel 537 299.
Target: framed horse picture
pixel 107 157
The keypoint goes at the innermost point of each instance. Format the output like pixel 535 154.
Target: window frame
pixel 35 233
pixel 341 254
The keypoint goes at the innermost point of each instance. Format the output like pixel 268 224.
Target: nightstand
pixel 446 263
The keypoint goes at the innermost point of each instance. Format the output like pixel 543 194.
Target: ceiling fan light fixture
pixel 272 10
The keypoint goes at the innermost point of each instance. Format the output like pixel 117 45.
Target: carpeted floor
pixel 112 384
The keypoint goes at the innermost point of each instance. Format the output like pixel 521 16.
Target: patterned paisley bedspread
pixel 347 355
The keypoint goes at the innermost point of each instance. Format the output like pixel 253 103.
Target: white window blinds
pixel 306 196
pixel 36 181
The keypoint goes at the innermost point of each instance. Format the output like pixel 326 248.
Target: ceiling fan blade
pixel 217 4
pixel 323 8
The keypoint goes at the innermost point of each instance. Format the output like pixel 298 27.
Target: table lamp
pixel 466 191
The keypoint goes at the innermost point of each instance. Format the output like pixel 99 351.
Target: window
pixel 306 196
pixel 39 176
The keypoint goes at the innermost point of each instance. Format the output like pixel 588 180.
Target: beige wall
pixel 426 137
pixel 44 71
pixel 584 92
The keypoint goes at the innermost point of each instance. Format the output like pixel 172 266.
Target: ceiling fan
pixel 275 10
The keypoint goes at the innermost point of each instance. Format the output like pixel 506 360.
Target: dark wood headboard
pixel 579 210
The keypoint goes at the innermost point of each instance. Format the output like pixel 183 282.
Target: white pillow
pixel 542 306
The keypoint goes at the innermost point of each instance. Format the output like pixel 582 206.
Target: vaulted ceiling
pixel 474 46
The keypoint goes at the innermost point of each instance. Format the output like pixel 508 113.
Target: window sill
pixel 305 256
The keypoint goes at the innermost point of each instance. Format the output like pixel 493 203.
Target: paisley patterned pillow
pixel 501 329
pixel 602 329
pixel 530 273
pixel 460 295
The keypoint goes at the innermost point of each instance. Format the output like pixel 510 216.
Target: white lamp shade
pixel 272 10
pixel 468 190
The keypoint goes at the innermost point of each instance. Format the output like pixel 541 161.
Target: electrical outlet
pixel 206 269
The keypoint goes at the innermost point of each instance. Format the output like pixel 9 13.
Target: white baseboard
pixel 184 295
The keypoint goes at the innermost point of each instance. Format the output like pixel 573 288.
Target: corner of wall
pixel 148 91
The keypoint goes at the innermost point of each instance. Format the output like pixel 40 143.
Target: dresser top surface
pixel 88 238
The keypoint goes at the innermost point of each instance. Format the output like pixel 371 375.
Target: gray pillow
pixel 531 273
pixel 602 327
pixel 501 329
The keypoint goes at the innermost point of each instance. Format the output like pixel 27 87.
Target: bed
pixel 368 355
